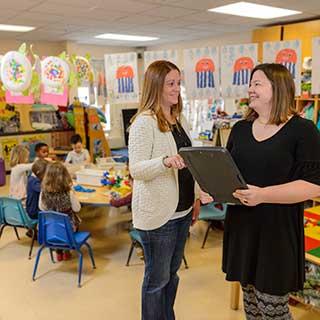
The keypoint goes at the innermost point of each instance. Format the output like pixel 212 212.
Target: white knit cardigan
pixel 155 187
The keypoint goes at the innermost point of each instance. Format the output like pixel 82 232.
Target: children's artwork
pixel 287 53
pixel 315 88
pixel 99 80
pixel 151 56
pixel 6 146
pixel 55 74
pixel 16 71
pixel 237 62
pixel 83 69
pixel 202 72
pixel 122 77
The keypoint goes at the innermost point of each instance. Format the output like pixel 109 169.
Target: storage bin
pixel 90 177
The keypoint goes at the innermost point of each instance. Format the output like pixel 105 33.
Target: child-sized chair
pixel 14 215
pixel 55 232
pixel 137 241
pixel 212 212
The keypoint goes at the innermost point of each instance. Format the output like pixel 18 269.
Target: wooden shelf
pixel 301 102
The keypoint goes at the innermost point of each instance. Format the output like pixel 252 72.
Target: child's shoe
pixel 66 255
pixel 59 256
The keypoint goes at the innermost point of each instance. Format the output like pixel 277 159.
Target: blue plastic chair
pixel 55 232
pixel 136 240
pixel 14 215
pixel 212 212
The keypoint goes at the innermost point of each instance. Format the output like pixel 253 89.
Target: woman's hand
pixel 205 198
pixel 251 196
pixel 195 211
pixel 175 162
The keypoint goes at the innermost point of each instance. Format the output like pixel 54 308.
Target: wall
pixel 226 39
pixel 97 52
pixel 41 48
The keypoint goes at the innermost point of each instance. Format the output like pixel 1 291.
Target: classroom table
pixel 312 255
pixel 101 196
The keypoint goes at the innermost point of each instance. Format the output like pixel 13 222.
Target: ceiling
pixel 170 20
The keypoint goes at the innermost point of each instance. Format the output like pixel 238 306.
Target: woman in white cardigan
pixel 163 203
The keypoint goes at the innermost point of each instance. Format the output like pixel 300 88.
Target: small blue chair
pixel 136 240
pixel 55 232
pixel 12 214
pixel 212 212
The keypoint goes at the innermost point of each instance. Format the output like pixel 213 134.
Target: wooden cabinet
pixel 302 102
pixel 303 31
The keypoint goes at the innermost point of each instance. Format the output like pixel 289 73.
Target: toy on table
pixel 80 188
pixel 119 185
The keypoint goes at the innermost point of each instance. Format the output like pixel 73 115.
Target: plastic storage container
pixel 110 163
pixel 90 177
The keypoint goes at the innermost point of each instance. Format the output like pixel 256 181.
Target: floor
pixel 112 291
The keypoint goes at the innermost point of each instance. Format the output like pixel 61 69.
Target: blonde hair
pixel 19 154
pixel 152 93
pixel 283 92
pixel 56 178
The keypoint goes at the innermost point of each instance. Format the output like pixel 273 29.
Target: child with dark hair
pixel 42 151
pixel 34 187
pixel 78 155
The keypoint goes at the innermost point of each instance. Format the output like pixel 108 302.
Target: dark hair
pixel 75 139
pixel 40 145
pixel 283 91
pixel 39 168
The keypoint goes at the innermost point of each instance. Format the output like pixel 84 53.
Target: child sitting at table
pixel 57 195
pixel 34 187
pixel 78 155
pixel 19 159
pixel 42 151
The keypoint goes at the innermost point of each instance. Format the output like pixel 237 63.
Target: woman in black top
pixel 278 154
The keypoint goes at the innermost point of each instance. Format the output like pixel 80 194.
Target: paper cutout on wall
pixel 204 69
pixel 168 55
pixel 201 72
pixel 315 89
pixel 287 53
pixel 125 78
pixel 288 58
pixel 237 62
pixel 122 77
pixel 242 70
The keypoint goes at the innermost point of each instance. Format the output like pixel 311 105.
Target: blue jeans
pixel 163 252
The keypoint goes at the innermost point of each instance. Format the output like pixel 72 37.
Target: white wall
pixel 231 38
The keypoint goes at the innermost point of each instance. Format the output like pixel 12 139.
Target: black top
pixel 186 182
pixel 264 245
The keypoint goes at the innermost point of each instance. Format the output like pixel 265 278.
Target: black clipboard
pixel 215 171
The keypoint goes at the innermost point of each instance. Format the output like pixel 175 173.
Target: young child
pixel 19 159
pixel 34 187
pixel 42 151
pixel 57 195
pixel 78 155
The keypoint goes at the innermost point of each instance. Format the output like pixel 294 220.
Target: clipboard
pixel 215 171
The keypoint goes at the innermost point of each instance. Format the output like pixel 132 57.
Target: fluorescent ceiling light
pixel 253 10
pixel 125 37
pixel 8 27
